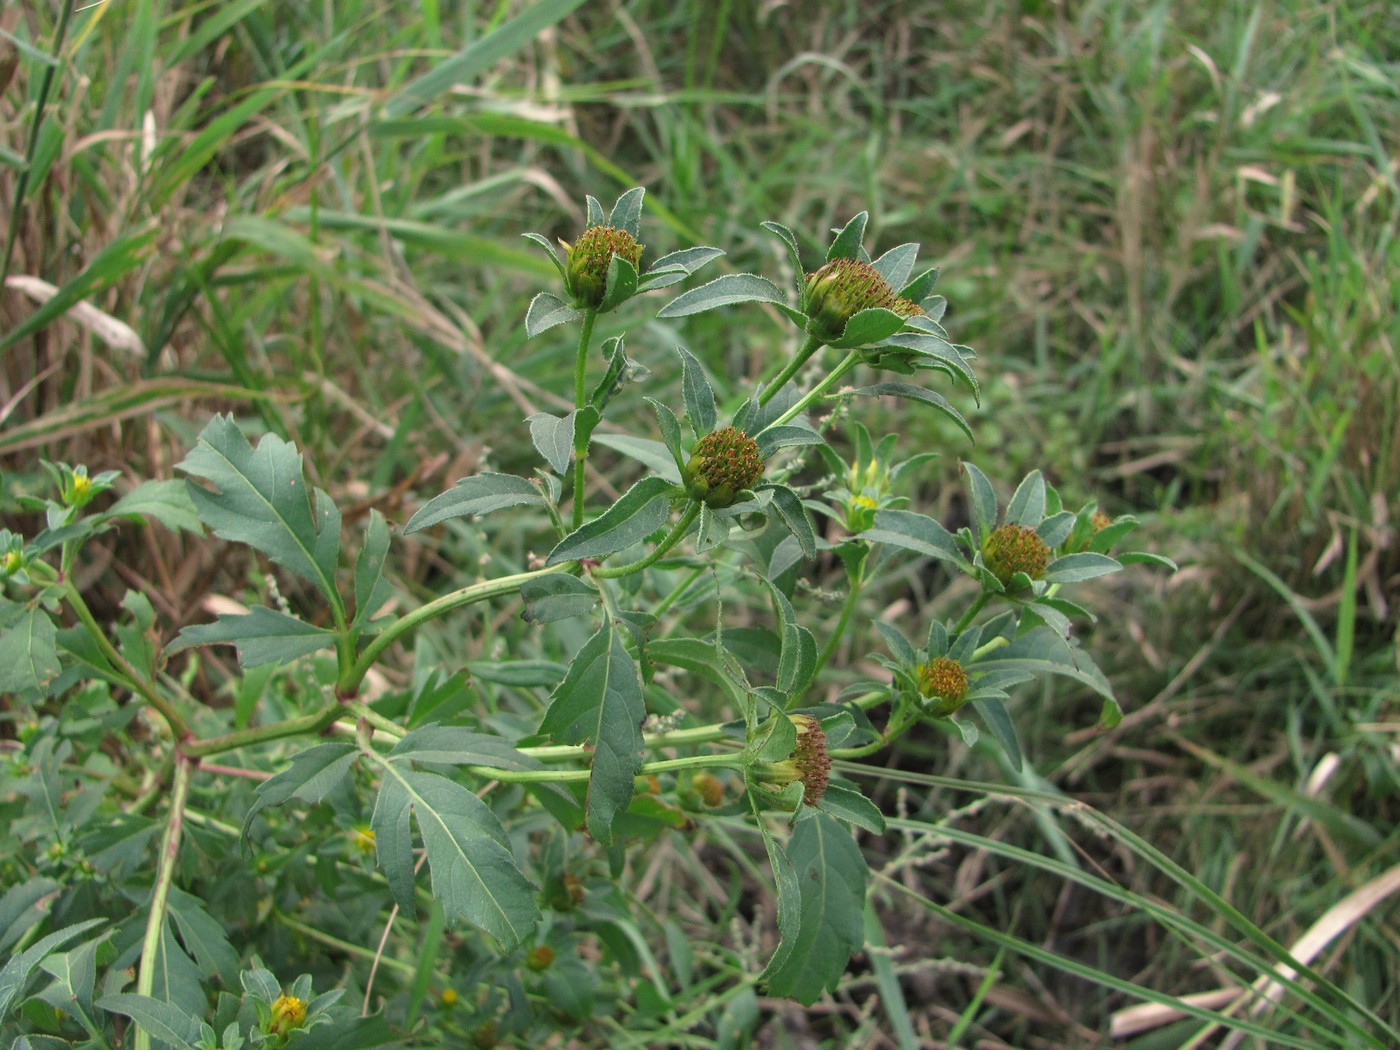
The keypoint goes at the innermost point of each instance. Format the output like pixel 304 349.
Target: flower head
pixel 943 683
pixel 1015 548
pixel 723 463
pixel 842 288
pixel 808 763
pixel 586 267
pixel 288 1012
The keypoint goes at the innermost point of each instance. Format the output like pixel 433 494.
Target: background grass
pixel 1168 229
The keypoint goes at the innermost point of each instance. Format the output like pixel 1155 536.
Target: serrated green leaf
pixel 556 597
pixel 821 897
pixel 788 506
pixel 371 588
pixel 640 511
pixel 621 284
pixel 917 291
pixel 553 437
pixel 700 657
pixel 676 267
pixel 994 714
pixel 75 972
pixel 310 777
pixel 1055 529
pixel 547 311
pixel 1027 504
pixel 1083 566
pixel 168 502
pixel 728 290
pixel 19 908
pixel 867 327
pixel 650 453
pixel 780 231
pixel 479 494
pixel 600 702
pixel 260 636
pixel 923 395
pixel 850 805
pixel 699 396
pixel 263 501
pixel 17 970
pixel 847 243
pixel 626 214
pixel 158 1019
pixel 1042 651
pixel 1145 558
pixel 474 873
pixel 204 937
pixel 28 650
pixel 984 502
pixel 897 264
pixel 788 436
pixel 916 532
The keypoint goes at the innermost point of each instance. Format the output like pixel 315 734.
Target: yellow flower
pixel 288 1012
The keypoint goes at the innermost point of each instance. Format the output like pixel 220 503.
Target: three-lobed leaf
pixel 262 500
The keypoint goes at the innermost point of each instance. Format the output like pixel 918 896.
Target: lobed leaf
pixel 311 776
pixel 262 500
pixel 260 636
pixel 168 502
pixel 474 873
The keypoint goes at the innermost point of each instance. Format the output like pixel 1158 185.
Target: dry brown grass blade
pixel 1266 991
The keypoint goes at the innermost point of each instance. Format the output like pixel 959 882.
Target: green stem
pixel 664 606
pixel 677 533
pixel 378 721
pixel 709 760
pixel 847 363
pixel 855 580
pixel 971 614
pixel 580 400
pixel 311 723
pixel 349 682
pixel 179 728
pixel 348 947
pixel 809 347
pixel 160 894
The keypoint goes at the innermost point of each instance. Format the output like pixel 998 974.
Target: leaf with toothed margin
pixel 600 703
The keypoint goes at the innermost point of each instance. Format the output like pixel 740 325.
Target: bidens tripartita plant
pixel 693 680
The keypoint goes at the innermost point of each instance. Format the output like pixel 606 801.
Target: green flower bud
pixel 11 562
pixel 841 289
pixel 540 958
pixel 587 267
pixel 723 464
pixel 288 1012
pixel 1015 548
pixel 943 683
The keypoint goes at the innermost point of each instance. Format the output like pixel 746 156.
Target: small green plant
pixel 594 757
